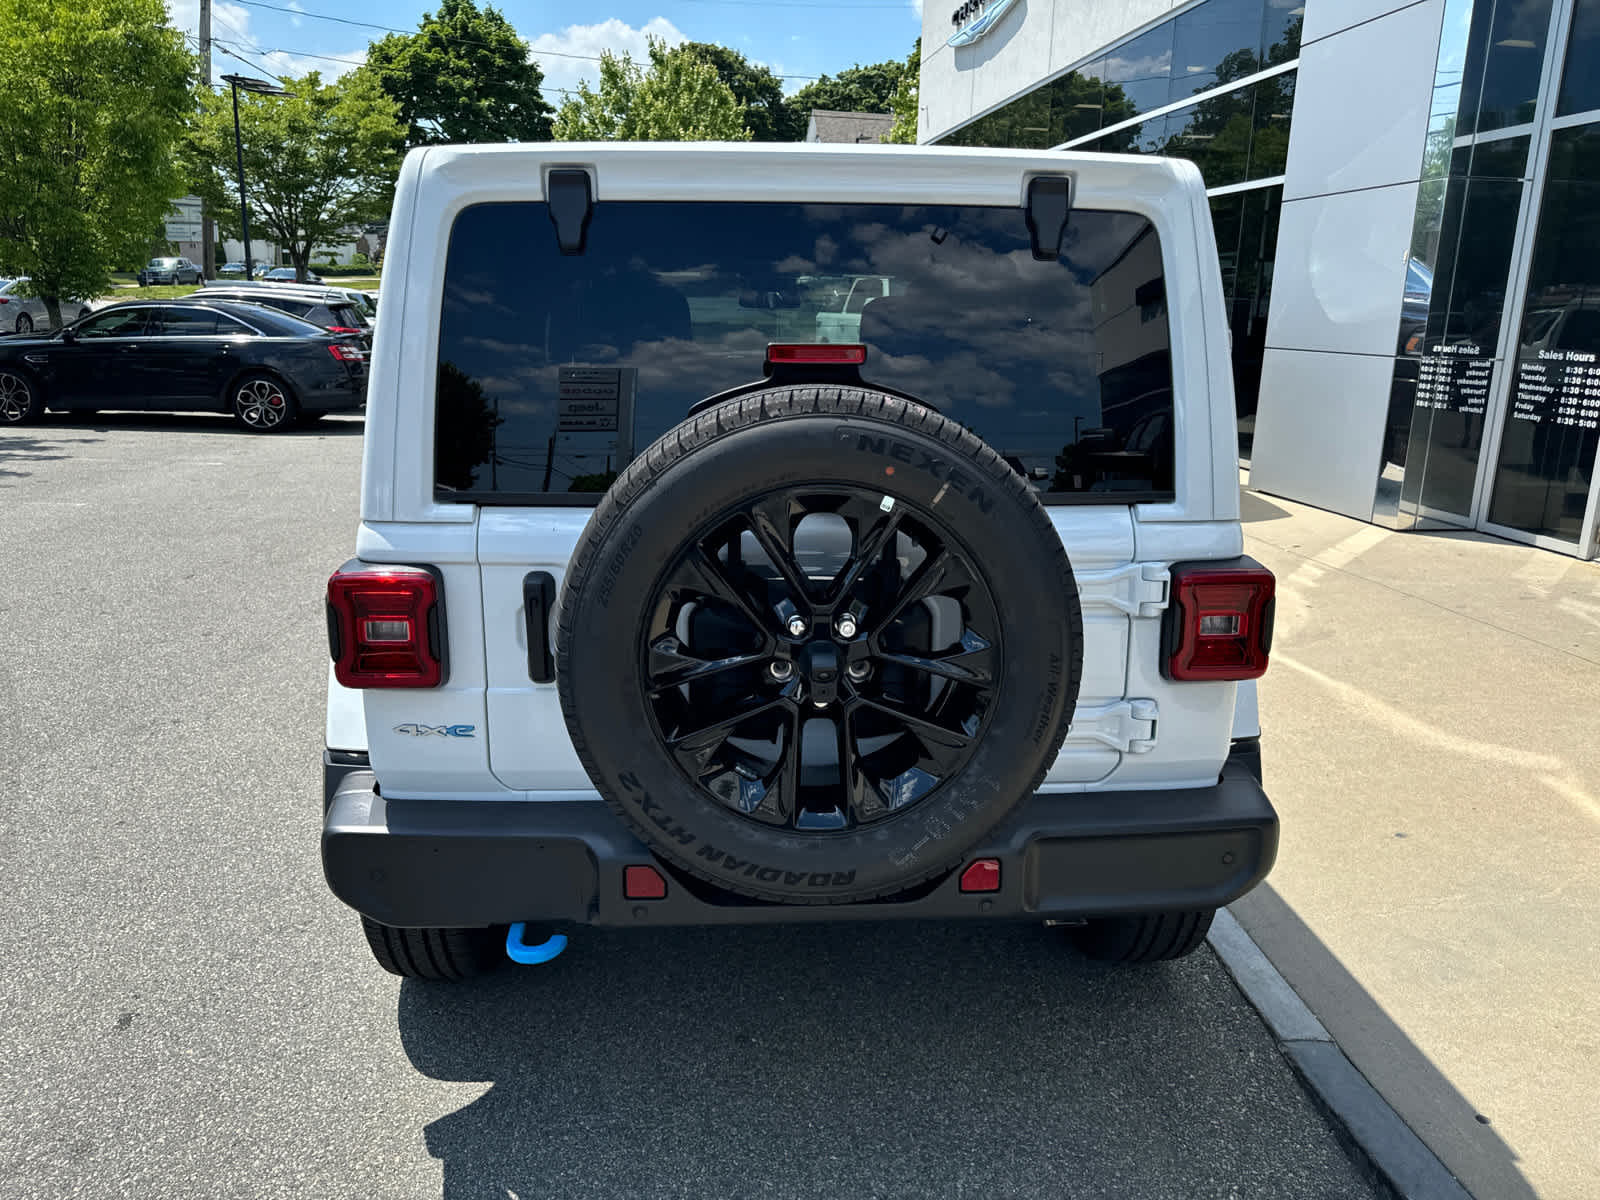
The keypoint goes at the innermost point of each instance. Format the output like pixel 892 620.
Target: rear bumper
pixel 473 863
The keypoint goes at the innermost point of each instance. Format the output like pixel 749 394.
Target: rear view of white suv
pixel 664 611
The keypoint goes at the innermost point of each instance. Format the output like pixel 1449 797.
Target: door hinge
pixel 1126 725
pixel 1138 589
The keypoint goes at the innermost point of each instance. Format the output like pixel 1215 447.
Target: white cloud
pixel 916 7
pixel 295 22
pixel 589 40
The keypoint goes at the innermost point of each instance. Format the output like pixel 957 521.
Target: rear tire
pixel 436 955
pixel 1143 937
pixel 262 404
pixel 24 323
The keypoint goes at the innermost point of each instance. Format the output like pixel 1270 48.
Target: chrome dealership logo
pixel 455 731
pixel 976 18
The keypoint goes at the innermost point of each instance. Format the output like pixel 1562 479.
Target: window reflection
pixel 1504 59
pixel 1235 137
pixel 1246 225
pixel 1215 43
pixel 1580 80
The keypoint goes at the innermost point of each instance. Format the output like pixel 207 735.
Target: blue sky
pixel 795 38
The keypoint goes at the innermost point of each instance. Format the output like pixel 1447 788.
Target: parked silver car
pixel 21 313
pixel 170 270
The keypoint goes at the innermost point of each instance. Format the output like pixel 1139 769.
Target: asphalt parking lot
pixel 185 1010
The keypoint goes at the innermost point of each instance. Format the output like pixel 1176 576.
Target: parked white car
pixel 22 313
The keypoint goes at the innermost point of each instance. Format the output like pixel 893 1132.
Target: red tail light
pixel 386 627
pixel 344 329
pixel 1219 623
pixel 346 353
pixel 809 352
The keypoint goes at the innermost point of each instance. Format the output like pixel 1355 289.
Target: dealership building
pixel 1406 200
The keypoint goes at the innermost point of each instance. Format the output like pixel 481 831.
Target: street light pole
pixel 262 88
pixel 244 211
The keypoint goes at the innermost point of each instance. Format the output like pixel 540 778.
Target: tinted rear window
pixel 274 323
pixel 555 370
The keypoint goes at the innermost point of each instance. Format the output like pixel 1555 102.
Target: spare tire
pixel 804 577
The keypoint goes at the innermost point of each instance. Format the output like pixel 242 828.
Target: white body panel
pixel 1133 728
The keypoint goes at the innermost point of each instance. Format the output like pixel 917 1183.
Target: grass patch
pixel 163 291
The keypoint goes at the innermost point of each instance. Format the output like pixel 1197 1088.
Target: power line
pixel 465 41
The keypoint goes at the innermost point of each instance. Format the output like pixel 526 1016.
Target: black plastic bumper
pixel 467 863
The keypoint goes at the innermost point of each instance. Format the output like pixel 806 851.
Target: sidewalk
pixel 1431 738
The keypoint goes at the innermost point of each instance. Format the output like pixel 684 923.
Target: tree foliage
pixel 768 116
pixel 679 98
pixel 464 76
pixel 314 162
pixel 905 102
pixel 858 89
pixel 96 93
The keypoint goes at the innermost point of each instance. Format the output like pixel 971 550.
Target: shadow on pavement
pixel 1253 508
pixel 336 424
pixel 19 448
pixel 1403 1074
pixel 892 1060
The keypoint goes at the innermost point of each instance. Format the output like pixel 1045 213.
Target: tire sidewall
pixel 986 515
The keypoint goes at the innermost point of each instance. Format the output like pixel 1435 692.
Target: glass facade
pixel 1234 134
pixel 1547 453
pixel 1499 340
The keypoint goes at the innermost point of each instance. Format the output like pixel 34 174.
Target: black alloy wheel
pixel 766 657
pixel 816 643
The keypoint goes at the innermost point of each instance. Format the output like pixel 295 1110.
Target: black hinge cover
pixel 1049 206
pixel 538 598
pixel 571 202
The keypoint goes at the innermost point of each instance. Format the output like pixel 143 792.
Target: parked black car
pixel 335 310
pixel 170 270
pixel 265 367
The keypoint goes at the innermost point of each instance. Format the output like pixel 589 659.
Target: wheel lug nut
pixel 846 626
pixel 797 626
pixel 780 670
pixel 857 671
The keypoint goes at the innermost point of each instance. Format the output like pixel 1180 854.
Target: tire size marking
pixel 936 827
pixel 1051 688
pixel 946 472
pixel 615 563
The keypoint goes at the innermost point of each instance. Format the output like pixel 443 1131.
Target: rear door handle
pixel 538 598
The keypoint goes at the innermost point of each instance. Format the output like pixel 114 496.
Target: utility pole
pixel 208 231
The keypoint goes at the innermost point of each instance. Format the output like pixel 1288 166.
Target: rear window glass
pixel 554 371
pixel 274 323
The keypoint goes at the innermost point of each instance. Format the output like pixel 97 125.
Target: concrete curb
pixel 1395 1154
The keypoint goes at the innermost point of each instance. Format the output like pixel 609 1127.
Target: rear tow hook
pixel 520 951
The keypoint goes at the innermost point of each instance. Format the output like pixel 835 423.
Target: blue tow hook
pixel 542 953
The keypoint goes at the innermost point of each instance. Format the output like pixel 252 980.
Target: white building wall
pixel 1034 41
pixel 1350 193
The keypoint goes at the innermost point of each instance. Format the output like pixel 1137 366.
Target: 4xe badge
pixel 456 731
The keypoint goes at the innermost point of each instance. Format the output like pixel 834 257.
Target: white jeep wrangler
pixel 664 612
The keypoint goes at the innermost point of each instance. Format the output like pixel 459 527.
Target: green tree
pixel 96 96
pixel 314 162
pixel 464 76
pixel 904 100
pixel 858 89
pixel 679 99
pixel 768 116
